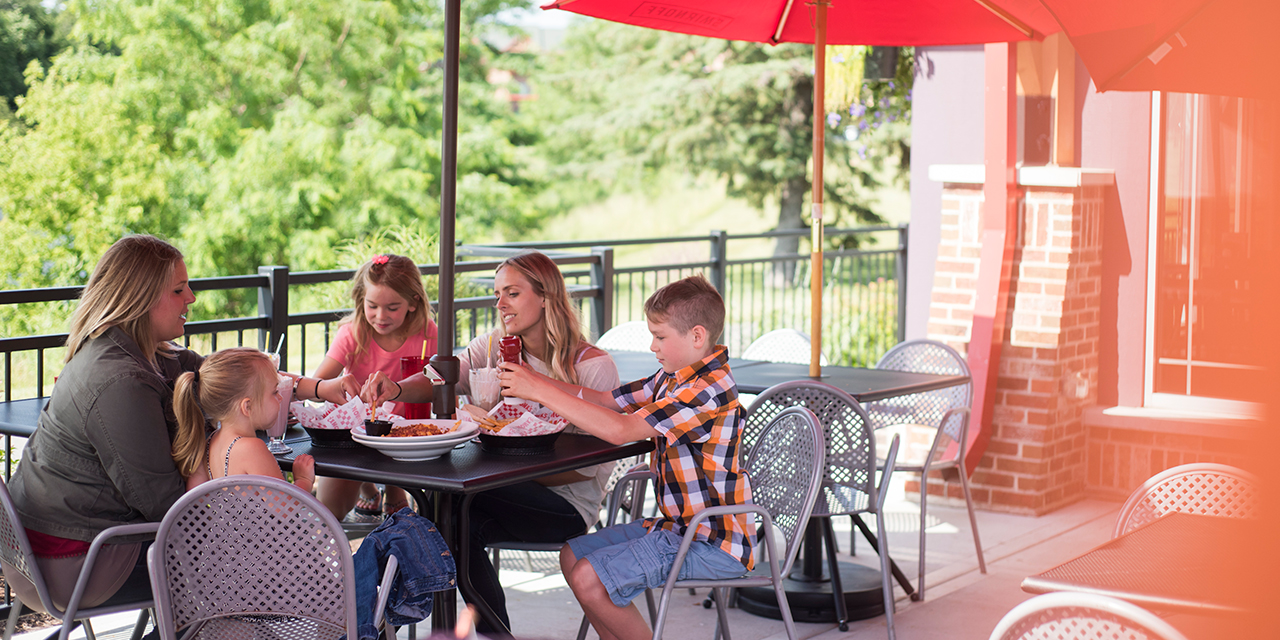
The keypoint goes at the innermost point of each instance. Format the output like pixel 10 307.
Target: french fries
pixel 486 422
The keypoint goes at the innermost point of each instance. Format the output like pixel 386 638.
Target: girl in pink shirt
pixel 391 319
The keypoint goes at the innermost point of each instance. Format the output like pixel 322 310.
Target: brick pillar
pixel 1035 461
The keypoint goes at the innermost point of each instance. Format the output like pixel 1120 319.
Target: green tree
pixel 249 132
pixel 28 33
pixel 620 102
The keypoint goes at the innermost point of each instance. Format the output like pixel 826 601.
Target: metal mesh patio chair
pixel 781 345
pixel 16 553
pixel 628 336
pixel 786 468
pixel 248 556
pixel 1081 616
pixel 849 486
pixel 933 425
pixel 1199 488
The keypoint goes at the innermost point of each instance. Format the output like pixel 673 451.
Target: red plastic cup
pixel 410 365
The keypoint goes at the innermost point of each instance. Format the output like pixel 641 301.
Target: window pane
pixel 1216 220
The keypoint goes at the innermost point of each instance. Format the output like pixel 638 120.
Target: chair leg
pixel 664 603
pixel 722 612
pixel 973 521
pixel 781 594
pixel 141 627
pixel 886 581
pixel 924 497
pixel 495 557
pixel 582 628
pixel 15 612
pixel 653 609
pixel 528 562
pixel 833 566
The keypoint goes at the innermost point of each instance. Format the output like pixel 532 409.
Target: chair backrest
pixel 782 345
pixel 786 467
pixel 628 336
pixel 15 548
pixel 927 408
pixel 850 447
pixel 1201 488
pixel 257 553
pixel 1081 616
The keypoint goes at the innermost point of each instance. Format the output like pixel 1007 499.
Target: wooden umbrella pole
pixel 819 131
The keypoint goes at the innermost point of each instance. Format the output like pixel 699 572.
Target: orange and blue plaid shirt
pixel 697 413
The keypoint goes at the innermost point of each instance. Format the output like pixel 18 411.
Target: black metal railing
pixel 863 299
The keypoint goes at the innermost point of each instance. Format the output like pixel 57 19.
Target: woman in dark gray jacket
pixel 101 454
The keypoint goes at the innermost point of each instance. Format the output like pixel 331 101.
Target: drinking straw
pixel 488 353
pixel 278 343
pixel 424 349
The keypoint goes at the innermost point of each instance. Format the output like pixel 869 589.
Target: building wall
pixel 1116 134
pixel 946 128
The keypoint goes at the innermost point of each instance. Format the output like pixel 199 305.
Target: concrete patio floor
pixel 960 604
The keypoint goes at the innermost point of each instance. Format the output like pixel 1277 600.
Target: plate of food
pixel 405 430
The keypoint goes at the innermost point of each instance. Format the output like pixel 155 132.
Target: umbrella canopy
pixel 1222 47
pixel 896 23
pixel 861 22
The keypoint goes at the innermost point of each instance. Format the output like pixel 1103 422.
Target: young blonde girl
pixel 391 319
pixel 238 389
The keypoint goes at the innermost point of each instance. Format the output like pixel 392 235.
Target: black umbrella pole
pixel 445 401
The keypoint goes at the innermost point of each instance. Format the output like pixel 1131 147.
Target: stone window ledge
pixel 1217 425
pixel 1070 177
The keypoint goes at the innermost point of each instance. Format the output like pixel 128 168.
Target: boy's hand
pixel 379 388
pixel 519 381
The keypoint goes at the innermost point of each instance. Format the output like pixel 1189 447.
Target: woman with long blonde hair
pixel 532 302
pixel 101 455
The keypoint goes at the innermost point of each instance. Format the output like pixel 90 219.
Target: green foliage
pixel 251 133
pixel 618 103
pixel 28 33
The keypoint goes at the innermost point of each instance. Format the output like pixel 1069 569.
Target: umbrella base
pixel 812 601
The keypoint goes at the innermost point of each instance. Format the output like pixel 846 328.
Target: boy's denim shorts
pixel 630 559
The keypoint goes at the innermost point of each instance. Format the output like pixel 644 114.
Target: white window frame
pixel 1171 401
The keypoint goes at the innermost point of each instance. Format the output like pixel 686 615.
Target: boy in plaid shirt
pixel 691 409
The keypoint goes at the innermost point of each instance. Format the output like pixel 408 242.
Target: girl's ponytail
pixel 188 444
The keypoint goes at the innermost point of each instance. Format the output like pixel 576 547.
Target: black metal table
pixel 456 478
pixel 1179 563
pixel 19 417
pixel 754 376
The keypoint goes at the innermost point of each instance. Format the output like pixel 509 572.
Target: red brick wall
pixel 1035 460
pixel 1121 459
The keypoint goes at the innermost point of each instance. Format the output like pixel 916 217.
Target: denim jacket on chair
pixel 425 566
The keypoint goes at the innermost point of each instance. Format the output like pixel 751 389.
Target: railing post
pixel 719 260
pixel 273 302
pixel 602 281
pixel 901 275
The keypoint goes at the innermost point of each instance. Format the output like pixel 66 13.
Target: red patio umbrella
pixel 862 22
pixel 1222 47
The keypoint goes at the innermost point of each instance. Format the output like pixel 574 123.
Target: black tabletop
pixel 1179 562
pixel 464 470
pixel 754 376
pixel 19 417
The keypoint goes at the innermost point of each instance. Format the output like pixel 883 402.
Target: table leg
pixel 464 561
pixel 444 608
